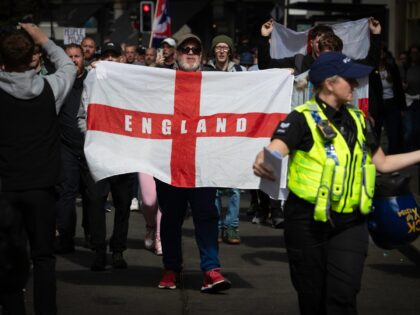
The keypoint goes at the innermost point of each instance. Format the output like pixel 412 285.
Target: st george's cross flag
pixel 187 129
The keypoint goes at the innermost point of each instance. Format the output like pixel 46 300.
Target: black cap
pixel 111 47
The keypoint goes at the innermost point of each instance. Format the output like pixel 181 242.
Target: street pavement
pixel 257 268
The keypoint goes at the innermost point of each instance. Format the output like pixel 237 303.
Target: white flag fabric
pixel 200 129
pixel 354 34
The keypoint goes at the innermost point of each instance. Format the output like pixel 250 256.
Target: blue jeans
pixel 231 218
pixel 173 203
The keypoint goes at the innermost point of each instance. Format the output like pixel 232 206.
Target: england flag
pixel 188 129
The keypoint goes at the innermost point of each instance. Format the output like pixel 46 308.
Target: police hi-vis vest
pixel 330 176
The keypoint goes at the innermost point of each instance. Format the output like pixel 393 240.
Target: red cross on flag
pixel 188 129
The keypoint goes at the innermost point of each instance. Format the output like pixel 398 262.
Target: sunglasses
pixel 195 50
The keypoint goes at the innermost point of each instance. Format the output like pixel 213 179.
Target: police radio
pixel 327 132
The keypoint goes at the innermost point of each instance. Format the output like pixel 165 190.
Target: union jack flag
pixel 161 23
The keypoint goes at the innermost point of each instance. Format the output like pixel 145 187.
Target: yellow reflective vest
pixel 351 181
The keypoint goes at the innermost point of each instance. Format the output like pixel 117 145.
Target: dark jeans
pixel 135 186
pixel 411 118
pixel 173 204
pixel 326 263
pixel 393 126
pixel 260 198
pixel 37 208
pixel 76 178
pixel 120 187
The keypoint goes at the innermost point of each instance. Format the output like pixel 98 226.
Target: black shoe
pixel 86 241
pixel 277 223
pixel 63 245
pixel 260 217
pixel 258 220
pixel 99 262
pixel 277 217
pixel 118 261
pixel 252 210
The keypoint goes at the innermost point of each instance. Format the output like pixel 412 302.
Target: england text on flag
pixel 199 129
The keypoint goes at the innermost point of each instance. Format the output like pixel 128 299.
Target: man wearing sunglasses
pixel 173 202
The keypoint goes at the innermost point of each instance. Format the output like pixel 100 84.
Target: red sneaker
pixel 214 282
pixel 168 280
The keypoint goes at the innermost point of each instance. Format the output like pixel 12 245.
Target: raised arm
pixel 264 59
pixel 62 80
pixel 374 53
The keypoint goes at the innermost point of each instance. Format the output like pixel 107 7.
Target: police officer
pixel 331 181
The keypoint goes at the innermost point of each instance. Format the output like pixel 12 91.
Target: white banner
pixel 354 34
pixel 73 35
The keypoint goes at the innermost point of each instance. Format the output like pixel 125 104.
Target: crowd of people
pixel 43 169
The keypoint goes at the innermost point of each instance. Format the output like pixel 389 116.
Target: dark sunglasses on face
pixel 187 49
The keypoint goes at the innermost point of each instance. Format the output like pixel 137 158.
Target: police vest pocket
pixel 322 203
pixel 338 182
pixel 368 188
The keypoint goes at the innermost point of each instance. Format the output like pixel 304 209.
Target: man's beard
pixel 187 67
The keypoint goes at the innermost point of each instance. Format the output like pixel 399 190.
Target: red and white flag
pixel 188 129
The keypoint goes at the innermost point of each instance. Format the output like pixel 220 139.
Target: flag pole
pixel 153 23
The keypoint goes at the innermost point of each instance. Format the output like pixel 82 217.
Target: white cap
pixel 170 41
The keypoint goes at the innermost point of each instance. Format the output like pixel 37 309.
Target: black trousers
pixel 120 187
pixel 76 178
pixel 326 263
pixel 37 209
pixel 393 126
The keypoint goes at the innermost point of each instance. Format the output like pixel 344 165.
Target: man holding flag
pixel 187 129
pixel 173 203
pixel 355 39
pixel 302 62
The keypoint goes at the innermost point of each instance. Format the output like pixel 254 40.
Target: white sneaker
pixel 134 204
pixel 149 238
pixel 158 247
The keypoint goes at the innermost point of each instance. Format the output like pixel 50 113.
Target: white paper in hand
pixel 276 189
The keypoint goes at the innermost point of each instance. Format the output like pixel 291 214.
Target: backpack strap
pixel 237 67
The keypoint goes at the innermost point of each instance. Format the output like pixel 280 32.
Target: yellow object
pixel 306 168
pixel 322 204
